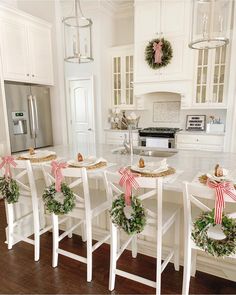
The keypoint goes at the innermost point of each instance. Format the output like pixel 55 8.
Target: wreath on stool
pixel 158 53
pixel 61 202
pixel 58 197
pixel 201 234
pixel 132 222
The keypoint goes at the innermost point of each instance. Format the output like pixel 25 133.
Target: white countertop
pixel 190 162
pixel 121 130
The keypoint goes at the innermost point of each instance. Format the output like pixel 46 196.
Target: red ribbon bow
pixel 128 181
pixel 7 162
pixel 56 170
pixel 221 189
pixel 157 47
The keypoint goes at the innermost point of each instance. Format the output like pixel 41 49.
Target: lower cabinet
pixel 205 142
pixel 117 137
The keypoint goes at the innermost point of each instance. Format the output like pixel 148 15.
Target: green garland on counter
pixel 167 53
pixel 9 190
pixel 55 206
pixel 216 248
pixel 135 224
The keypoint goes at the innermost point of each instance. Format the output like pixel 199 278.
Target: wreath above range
pixel 158 53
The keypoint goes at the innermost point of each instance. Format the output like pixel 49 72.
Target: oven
pixel 158 137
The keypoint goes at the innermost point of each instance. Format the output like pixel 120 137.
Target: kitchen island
pixel 188 165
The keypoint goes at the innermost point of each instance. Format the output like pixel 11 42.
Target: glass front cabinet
pixel 122 77
pixel 211 77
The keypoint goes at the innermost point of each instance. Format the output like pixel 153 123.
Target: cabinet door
pixel 14 50
pixel 147 21
pixel 128 75
pixel 40 54
pixel 116 80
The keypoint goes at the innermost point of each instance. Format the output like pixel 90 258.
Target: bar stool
pixel 161 217
pixel 20 214
pixel 194 197
pixel 87 208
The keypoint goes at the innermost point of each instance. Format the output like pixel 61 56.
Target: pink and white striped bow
pixel 56 171
pixel 128 181
pixel 157 47
pixel 221 189
pixel 7 161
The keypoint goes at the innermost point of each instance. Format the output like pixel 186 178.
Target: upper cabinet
pixel 169 19
pixel 122 77
pixel 26 49
pixel 211 77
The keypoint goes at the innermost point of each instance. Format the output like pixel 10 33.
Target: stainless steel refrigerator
pixel 29 116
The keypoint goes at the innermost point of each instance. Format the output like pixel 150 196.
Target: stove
pixel 158 137
pixel 163 132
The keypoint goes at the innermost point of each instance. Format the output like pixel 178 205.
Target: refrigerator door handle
pixel 32 117
pixel 36 114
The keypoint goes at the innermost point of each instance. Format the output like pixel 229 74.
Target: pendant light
pixel 78 36
pixel 211 20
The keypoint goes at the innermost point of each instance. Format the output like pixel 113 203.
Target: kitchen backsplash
pixel 152 101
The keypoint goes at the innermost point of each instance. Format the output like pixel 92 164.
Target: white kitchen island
pixel 189 163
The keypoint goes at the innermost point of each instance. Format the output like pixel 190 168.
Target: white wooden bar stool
pixel 161 217
pixel 88 207
pixel 195 198
pixel 20 214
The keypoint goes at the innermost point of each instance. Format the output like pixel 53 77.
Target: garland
pixel 216 248
pixel 55 206
pixel 9 189
pixel 135 224
pixel 158 53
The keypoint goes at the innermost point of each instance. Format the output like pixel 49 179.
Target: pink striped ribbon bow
pixel 7 161
pixel 157 47
pixel 128 181
pixel 221 189
pixel 56 171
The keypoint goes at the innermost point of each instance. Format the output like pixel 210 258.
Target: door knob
pixel 90 129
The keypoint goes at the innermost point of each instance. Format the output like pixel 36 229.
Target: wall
pixel 124 30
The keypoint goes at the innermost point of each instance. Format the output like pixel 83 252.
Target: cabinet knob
pixel 32 75
pixel 27 75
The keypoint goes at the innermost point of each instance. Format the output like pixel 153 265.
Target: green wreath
pixel 133 225
pixel 9 190
pixel 216 248
pixel 55 206
pixel 167 53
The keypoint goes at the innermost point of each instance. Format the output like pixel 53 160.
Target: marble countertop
pixel 122 130
pixel 185 132
pixel 187 161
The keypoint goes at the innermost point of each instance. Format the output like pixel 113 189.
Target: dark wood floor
pixel 20 274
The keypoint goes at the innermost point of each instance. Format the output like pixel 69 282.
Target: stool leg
pixel 176 248
pixel 68 226
pixel 55 240
pixel 10 218
pixel 194 263
pixel 134 247
pixel 187 267
pixel 113 257
pixel 36 232
pixel 83 232
pixel 89 250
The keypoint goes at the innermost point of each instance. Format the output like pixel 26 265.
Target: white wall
pixel 124 31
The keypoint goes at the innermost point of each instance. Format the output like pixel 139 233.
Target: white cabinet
pixel 207 142
pixel 211 78
pixel 169 19
pixel 122 77
pixel 117 137
pixel 26 50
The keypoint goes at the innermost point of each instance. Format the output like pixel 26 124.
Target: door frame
pixel 68 104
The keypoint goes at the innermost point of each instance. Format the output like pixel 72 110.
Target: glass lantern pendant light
pixel 78 36
pixel 210 23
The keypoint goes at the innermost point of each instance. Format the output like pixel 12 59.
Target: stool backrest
pixel 198 196
pixel 23 175
pixel 74 178
pixel 148 188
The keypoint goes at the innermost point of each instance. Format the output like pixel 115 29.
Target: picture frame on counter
pixel 196 122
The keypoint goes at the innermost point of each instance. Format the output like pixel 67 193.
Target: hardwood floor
pixel 20 274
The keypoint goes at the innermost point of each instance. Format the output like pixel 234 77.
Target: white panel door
pixel 40 54
pixel 14 47
pixel 82 131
